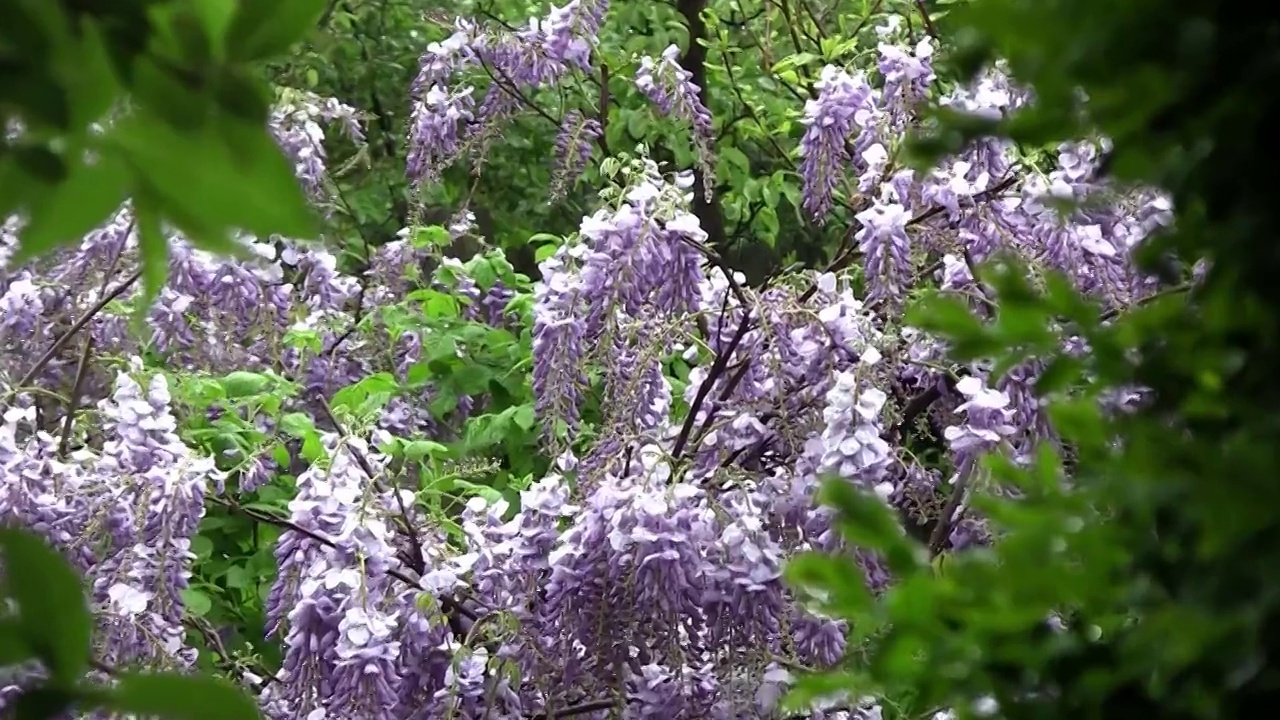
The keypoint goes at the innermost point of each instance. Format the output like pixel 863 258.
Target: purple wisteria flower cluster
pixel 691 417
pixel 449 121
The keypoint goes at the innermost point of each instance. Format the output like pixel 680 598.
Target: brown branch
pixel 76 327
pixel 977 197
pixel 718 368
pixel 73 400
pixel 457 614
pixel 507 85
pixel 929 27
pixel 286 524
pixel 942 531
pixel 579 709
pixel 913 410
pixel 737 91
pixel 734 380
pixel 82 367
pixel 1116 312
pixel 984 293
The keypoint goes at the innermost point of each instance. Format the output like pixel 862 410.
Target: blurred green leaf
pixel 867 521
pixel 260 30
pixel 73 207
pixel 229 175
pixel 14 649
pixel 180 697
pixel 52 613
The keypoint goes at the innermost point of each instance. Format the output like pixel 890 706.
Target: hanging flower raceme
pixel 575 144
pixel 436 130
pixel 638 259
pixel 670 86
pixel 158 488
pixel 836 124
pixel 298 127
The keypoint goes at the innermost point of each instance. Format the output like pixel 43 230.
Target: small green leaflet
pixel 243 384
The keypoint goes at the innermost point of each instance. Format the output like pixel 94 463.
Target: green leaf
pixel 242 384
pixel 445 402
pixel 794 61
pixel 545 251
pixel 261 30
pixel 44 101
pixel 94 84
pixel 227 176
pixel 45 702
pixel 154 248
pixel 72 208
pixel 767 221
pixel 298 425
pixel 489 494
pixel 419 373
pixel 237 578
pixel 835 577
pixel 215 19
pixel 201 545
pixel 524 417
pixel 14 648
pixel 41 163
pixel 355 395
pixel 51 606
pixel 440 305
pixel 866 521
pixel 482 271
pixel 198 603
pixel 166 94
pixel 637 124
pixel 242 95
pixel 950 316
pixel 180 697
pixel 431 236
pixel 734 161
pixel 419 449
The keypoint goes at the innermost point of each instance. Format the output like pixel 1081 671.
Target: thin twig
pixel 977 197
pixel 1115 312
pixel 286 524
pixel 579 709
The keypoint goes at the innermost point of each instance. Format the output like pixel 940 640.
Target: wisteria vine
pixel 689 418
